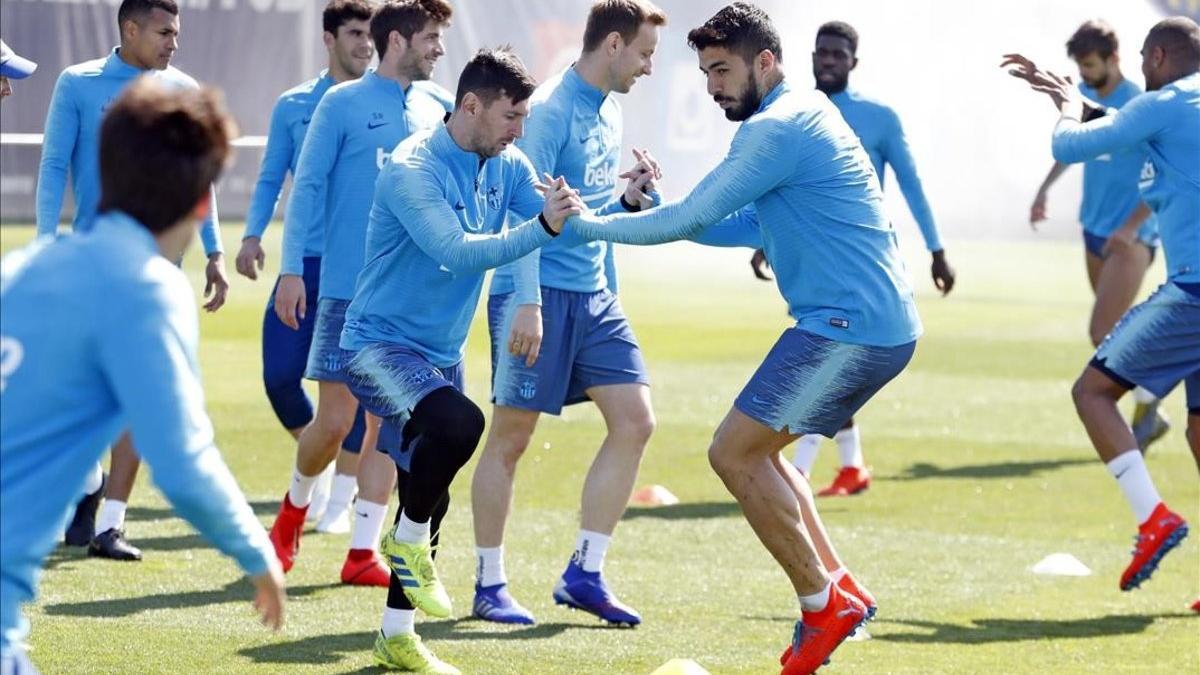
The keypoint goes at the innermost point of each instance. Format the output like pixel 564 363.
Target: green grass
pixel 981 470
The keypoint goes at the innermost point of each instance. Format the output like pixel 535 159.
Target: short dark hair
pixel 338 12
pixel 161 149
pixel 624 17
pixel 493 73
pixel 406 17
pixel 136 10
pixel 841 29
pixel 740 27
pixel 1179 37
pixel 1095 36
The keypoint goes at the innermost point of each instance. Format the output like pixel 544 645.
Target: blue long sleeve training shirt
pixel 574 131
pixel 71 141
pixel 1165 126
pixel 289 123
pixel 1110 180
pixel 438 223
pixel 878 127
pixel 98 334
pixel 818 215
pixel 353 131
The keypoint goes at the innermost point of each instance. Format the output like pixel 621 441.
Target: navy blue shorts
pixel 326 358
pixel 1147 235
pixel 1156 345
pixel 389 381
pixel 809 384
pixel 285 354
pixel 586 342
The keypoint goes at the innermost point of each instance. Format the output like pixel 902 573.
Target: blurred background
pixel 981 140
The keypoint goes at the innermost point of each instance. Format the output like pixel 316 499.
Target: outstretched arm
pixel 756 163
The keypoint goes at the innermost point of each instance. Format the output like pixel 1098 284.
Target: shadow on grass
pixel 237 591
pixel 686 511
pixel 134 513
pixel 985 631
pixel 326 649
pixel 923 470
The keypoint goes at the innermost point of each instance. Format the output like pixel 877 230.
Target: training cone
pixel 653 495
pixel 1061 565
pixel 680 666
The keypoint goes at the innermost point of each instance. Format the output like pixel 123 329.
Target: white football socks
pixel 489 566
pixel 301 491
pixel 849 447
pixel 590 548
pixel 368 524
pixel 411 532
pixel 1143 395
pixel 111 516
pixel 341 492
pixel 396 621
pixel 1129 468
pixel 806 452
pixel 817 601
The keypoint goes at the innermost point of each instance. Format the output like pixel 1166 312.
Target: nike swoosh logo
pixel 375 125
pixel 845 612
pixel 305 121
pixel 460 206
pixel 361 514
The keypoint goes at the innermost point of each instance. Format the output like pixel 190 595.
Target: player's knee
pixel 335 425
pixel 452 421
pixel 720 458
pixel 637 428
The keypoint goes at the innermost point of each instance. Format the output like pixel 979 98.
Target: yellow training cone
pixel 680 667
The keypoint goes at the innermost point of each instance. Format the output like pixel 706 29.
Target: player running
pixel 577 345
pixel 149 32
pixel 99 334
pixel 797 183
pixel 285 351
pixel 438 223
pixel 353 129
pixel 1157 343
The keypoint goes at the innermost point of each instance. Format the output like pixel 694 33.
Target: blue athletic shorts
pixel 326 358
pixel 389 381
pixel 285 353
pixel 809 384
pixel 586 342
pixel 1147 235
pixel 1156 344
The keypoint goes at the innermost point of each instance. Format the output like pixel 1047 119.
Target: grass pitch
pixel 981 469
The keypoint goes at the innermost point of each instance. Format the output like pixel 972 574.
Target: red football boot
pixel 851 480
pixel 285 532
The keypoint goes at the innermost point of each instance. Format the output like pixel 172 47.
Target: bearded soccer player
pixel 353 130
pixel 1156 344
pixel 149 32
pixel 577 344
pixel 285 351
pixel 798 184
pixel 98 333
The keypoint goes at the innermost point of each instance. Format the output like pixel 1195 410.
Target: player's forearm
pixel 262 205
pixel 1056 171
pixel 295 229
pixel 1075 141
pixel 737 230
pixel 464 253
pixel 527 286
pixel 52 183
pixel 210 229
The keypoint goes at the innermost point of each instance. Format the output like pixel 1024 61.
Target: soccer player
pixel 285 351
pixel 99 334
pixel 1119 235
pixel 437 224
pixel 354 128
pixel 12 67
pixel 149 32
pixel 878 126
pixel 577 345
pixel 1157 343
pixel 798 184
